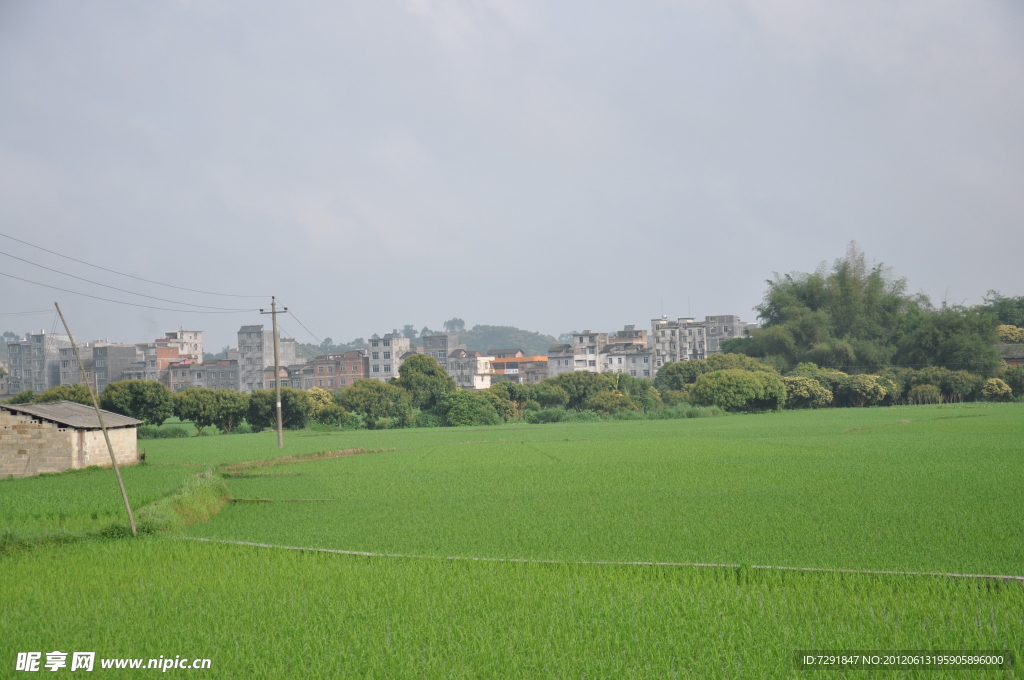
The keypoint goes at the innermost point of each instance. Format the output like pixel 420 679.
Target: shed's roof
pixel 1012 351
pixel 72 414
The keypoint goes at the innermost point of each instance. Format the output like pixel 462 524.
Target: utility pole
pixel 277 369
pixel 99 416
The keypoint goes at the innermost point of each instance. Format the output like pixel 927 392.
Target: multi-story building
pixel 520 369
pixel 35 361
pixel 386 355
pixel 625 357
pixel 256 352
pixel 441 345
pixel 189 343
pixel 332 371
pixel 470 370
pixel 629 335
pixel 686 338
pixel 219 374
pixel 561 359
pixel 104 362
pixel 587 347
pixel 178 375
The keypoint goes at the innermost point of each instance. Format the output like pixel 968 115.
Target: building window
pixel 376 368
pixel 320 383
pixel 330 382
pixel 647 374
pixel 441 354
pixel 341 381
pixel 375 355
pixel 387 343
pixel 592 363
pixel 387 355
pixel 387 368
pixel 330 369
pixel 355 367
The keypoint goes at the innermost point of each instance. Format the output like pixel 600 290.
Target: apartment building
pixel 104 362
pixel 561 359
pixel 686 338
pixel 189 343
pixel 332 371
pixel 256 353
pixel 441 345
pixel 219 374
pixel 587 347
pixel 35 361
pixel 386 355
pixel 635 359
pixel 470 370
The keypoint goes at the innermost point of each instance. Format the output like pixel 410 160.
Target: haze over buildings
pixel 550 166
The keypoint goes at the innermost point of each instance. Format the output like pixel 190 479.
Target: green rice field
pixel 909 489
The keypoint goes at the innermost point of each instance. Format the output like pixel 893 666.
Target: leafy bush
pixel 547 415
pixel 610 402
pixel 676 375
pixel 581 386
pixel 995 389
pixel 735 389
pixel 1008 333
pixel 958 386
pixel 924 394
pixel 374 399
pixel 675 397
pixel 1014 377
pixel 156 432
pixel 828 378
pixel 806 393
pixel 23 397
pixel 428 419
pixel 581 417
pixel 331 415
pixel 862 390
pixel 467 408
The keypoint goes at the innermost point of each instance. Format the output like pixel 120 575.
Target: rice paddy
pixel 923 489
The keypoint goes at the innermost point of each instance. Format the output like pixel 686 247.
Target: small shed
pixel 63 435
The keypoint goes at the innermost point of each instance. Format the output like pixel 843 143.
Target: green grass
pixel 931 488
pixel 282 614
pixel 833 489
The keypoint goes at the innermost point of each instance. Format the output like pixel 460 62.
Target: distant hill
pixel 483 338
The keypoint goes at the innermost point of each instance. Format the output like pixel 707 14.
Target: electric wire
pixel 121 290
pixel 42 311
pixel 122 302
pixel 137 278
pixel 318 340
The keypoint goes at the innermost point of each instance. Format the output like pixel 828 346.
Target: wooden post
pixel 99 416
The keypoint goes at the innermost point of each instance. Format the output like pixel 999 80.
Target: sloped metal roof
pixel 72 414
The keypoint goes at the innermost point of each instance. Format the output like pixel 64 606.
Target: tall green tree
pixel 76 392
pixel 197 405
pixel 582 385
pixel 1006 310
pixel 426 381
pixel 231 409
pixel 146 400
pixel 376 400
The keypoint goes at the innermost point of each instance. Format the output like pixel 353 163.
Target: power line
pixel 318 340
pixel 121 290
pixel 137 278
pixel 44 311
pixel 121 302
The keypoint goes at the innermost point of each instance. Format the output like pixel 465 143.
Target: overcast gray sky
pixel 549 165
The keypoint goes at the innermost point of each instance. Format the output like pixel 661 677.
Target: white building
pixel 686 338
pixel 470 370
pixel 561 359
pixel 386 355
pixel 636 360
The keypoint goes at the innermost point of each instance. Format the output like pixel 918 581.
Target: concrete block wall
pixel 29 447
